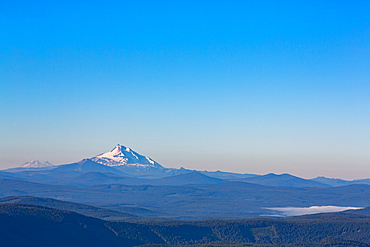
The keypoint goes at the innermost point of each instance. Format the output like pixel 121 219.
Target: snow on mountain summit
pixel 124 156
pixel 36 164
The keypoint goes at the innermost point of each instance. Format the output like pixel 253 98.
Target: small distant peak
pixel 36 164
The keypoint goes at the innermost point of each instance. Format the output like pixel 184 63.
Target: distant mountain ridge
pixel 340 182
pixel 122 165
pixel 285 179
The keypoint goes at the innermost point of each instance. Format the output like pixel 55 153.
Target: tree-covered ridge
pixel 83 209
pixel 327 242
pixel 31 225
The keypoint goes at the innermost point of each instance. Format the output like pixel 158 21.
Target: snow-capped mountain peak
pixel 36 164
pixel 124 156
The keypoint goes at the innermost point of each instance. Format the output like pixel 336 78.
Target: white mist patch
pixel 296 211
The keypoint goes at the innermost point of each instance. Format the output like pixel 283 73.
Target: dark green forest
pixel 32 225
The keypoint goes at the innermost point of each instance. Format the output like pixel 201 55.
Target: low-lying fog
pixel 296 211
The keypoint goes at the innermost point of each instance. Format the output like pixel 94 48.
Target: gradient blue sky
pixel 242 86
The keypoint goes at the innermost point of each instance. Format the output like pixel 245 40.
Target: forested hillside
pixel 31 225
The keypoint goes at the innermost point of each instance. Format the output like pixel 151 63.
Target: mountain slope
pixel 340 182
pixel 96 178
pixel 83 166
pixel 188 178
pixel 332 181
pixel 34 226
pixel 8 175
pixel 365 211
pixel 83 209
pixel 227 175
pixel 361 181
pixel 272 179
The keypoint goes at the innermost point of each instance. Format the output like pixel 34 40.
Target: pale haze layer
pixel 242 86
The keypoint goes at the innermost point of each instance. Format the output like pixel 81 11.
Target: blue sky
pixel 243 86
